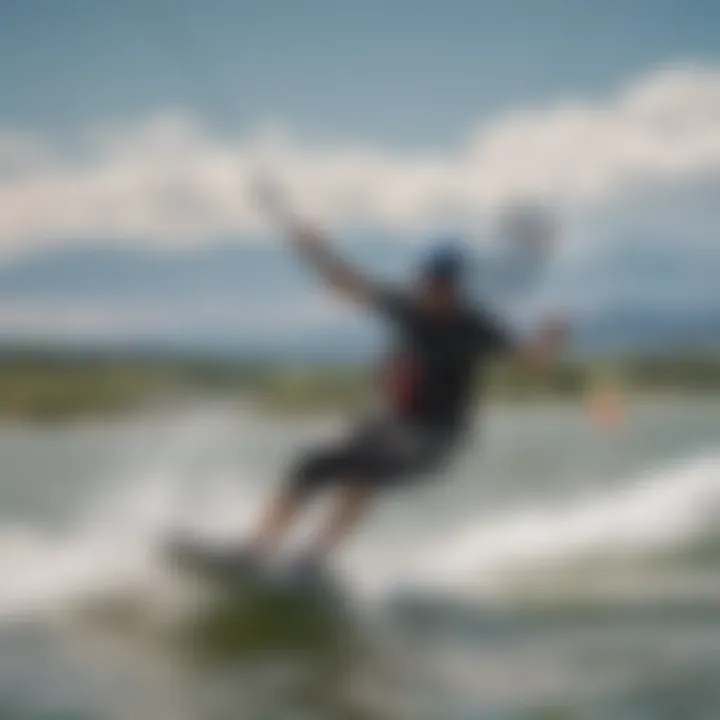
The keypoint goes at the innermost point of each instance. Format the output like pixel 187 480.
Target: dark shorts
pixel 378 453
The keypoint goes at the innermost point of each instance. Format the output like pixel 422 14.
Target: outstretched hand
pixel 555 331
pixel 543 348
pixel 271 199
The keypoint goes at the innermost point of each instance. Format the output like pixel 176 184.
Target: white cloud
pixel 168 181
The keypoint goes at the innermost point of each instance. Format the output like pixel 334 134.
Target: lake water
pixel 557 572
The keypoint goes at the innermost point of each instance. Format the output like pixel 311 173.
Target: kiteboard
pixel 254 608
pixel 228 570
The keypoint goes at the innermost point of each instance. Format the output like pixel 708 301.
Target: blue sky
pixel 129 132
pixel 406 71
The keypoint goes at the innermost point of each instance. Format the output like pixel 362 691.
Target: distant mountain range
pixel 255 299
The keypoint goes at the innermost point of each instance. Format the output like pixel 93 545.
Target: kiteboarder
pixel 443 342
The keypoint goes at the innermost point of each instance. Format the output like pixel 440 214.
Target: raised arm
pixel 314 247
pixel 339 275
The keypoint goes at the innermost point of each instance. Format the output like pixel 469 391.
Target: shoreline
pixel 44 388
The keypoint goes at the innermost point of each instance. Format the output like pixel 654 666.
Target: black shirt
pixel 430 378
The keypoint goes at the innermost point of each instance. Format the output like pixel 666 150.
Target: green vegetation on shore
pixel 48 386
pixel 45 386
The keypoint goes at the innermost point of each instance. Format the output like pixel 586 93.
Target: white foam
pixel 111 553
pixel 657 511
pixel 110 548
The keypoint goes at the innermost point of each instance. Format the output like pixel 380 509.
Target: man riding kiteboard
pixel 428 384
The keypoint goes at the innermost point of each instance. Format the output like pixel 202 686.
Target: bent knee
pixel 314 471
